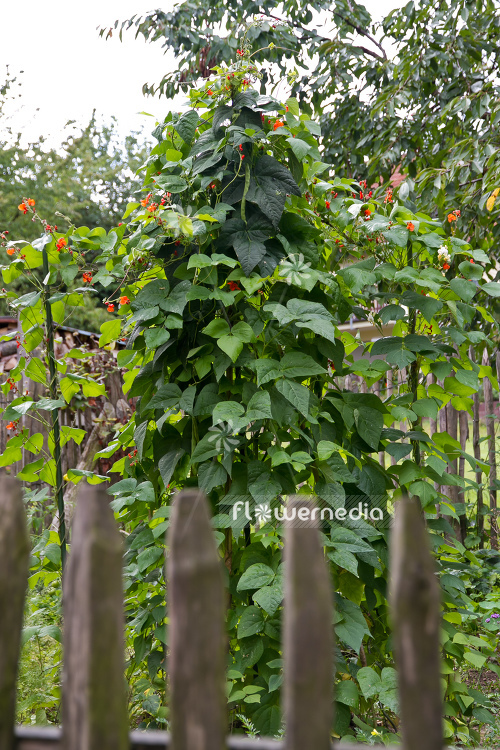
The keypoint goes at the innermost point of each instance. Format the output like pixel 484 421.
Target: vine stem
pixel 55 412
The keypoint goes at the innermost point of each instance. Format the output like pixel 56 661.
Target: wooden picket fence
pixel 94 709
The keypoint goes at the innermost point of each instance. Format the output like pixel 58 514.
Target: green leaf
pixel 492 288
pixel 110 331
pixel 48 473
pixel 243 332
pixel 269 598
pixel 91 389
pixel 255 577
pixel 259 406
pixel 68 389
pixel 465 289
pixel 186 126
pixel 397 236
pixel 226 411
pixel 347 692
pixel 251 622
pixel 152 294
pixel 37 371
pixel 247 240
pixel 231 345
pixel 49 404
pixel 210 475
pixel 297 364
pixel 425 407
pixel 471 270
pixel 388 694
pixel 369 424
pixel 297 395
pixel 166 397
pixel 299 147
pixel 427 305
pixel 217 328
pixel 148 557
pixel 271 182
pixel 267 370
pixel 369 682
pixel 155 337
pixel 172 183
pixel 167 464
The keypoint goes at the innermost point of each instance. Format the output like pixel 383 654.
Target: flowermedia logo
pixel 263 513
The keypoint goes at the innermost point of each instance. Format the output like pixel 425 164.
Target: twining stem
pixel 55 412
pixel 414 367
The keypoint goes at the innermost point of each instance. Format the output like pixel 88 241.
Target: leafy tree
pixel 87 181
pixel 89 178
pixel 417 93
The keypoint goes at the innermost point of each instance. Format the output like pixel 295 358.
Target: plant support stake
pixel 55 412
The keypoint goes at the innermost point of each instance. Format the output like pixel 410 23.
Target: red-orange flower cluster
pixel 124 300
pixel 24 206
pixel 87 277
pixel 278 124
pixel 61 243
pixel 410 226
pixel 233 286
pixel 11 250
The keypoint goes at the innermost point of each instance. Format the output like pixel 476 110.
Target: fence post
pixel 94 698
pixel 489 408
pixel 196 632
pixel 308 633
pixel 414 599
pixel 14 556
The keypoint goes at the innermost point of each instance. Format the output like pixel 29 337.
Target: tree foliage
pixel 417 93
pixel 88 179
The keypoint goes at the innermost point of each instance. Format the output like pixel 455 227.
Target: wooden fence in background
pixel 94 708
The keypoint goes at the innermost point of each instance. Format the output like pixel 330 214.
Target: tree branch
pixel 363 32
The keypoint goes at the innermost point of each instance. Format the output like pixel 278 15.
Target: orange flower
pixel 61 243
pixel 124 300
pixel 471 260
pixel 278 124
pixel 23 207
pixel 11 250
pixel 367 212
pixel 327 204
pixel 11 426
pixel 111 308
pixel 410 226
pixel 451 217
pixel 31 202
pixel 446 266
pixel 87 277
pixel 210 92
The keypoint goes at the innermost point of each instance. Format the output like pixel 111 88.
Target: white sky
pixel 69 70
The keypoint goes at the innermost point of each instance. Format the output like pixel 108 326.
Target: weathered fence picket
pixel 94 707
pixel 196 607
pixel 415 606
pixel 308 637
pixel 94 700
pixel 14 555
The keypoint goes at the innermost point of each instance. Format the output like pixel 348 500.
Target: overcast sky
pixel 69 70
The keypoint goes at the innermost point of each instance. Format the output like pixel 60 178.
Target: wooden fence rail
pixel 94 704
